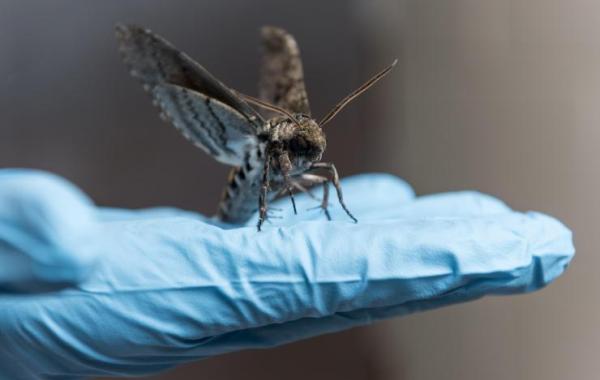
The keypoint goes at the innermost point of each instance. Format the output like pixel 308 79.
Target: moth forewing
pixel 153 60
pixel 281 74
pixel 270 157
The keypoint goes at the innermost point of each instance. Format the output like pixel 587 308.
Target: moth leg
pixel 286 166
pixel 325 200
pixel 303 189
pixel 288 189
pixel 335 179
pixel 264 190
pixel 291 193
pixel 314 178
pixel 298 187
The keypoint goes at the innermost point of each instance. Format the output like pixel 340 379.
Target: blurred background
pixel 499 96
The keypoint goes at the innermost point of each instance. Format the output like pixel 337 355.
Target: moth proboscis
pixel 272 155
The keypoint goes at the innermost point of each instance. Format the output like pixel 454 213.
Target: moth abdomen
pixel 240 196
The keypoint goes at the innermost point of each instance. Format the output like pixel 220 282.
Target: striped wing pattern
pixel 215 127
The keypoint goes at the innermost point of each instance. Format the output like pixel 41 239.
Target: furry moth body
pixel 272 155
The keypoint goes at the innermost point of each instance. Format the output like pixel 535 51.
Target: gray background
pixel 499 96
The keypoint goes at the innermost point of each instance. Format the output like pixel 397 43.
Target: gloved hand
pixel 88 291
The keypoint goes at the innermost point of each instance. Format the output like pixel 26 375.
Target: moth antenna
pixel 356 93
pixel 270 107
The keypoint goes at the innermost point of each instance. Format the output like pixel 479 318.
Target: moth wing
pixel 215 127
pixel 154 61
pixel 281 74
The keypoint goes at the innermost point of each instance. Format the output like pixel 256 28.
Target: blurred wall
pixel 502 97
pixel 499 96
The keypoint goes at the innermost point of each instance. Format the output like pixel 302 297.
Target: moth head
pixel 307 140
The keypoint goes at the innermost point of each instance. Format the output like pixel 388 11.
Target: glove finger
pixel 45 229
pixel 517 253
pixel 339 267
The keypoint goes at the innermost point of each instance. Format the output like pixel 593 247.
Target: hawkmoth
pixel 272 155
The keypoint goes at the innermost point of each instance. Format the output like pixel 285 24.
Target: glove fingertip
pixel 553 249
pixel 48 231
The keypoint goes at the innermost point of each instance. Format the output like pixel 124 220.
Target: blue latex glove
pixel 89 291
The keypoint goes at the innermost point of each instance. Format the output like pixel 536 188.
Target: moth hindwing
pixel 270 157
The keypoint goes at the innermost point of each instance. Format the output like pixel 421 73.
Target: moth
pixel 272 154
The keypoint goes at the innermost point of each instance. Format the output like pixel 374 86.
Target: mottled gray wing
pixel 154 61
pixel 281 76
pixel 210 124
